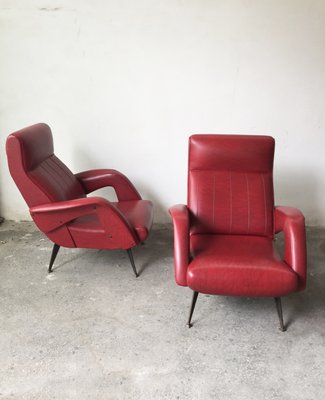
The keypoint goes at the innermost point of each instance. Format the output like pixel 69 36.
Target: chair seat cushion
pixel 238 266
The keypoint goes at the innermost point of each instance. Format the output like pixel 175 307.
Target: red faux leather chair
pixel 224 237
pixel 58 201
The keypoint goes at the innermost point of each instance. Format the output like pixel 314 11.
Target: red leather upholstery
pixel 223 238
pixel 239 266
pixel 139 215
pixel 99 178
pixel 58 202
pixel 40 176
pixel 181 220
pixel 292 222
pixel 230 188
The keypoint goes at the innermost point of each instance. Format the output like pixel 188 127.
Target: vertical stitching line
pixel 197 196
pixel 49 172
pixel 214 194
pixel 248 206
pixel 55 161
pixel 230 202
pixel 265 213
pixel 51 164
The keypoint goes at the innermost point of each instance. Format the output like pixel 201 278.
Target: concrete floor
pixel 91 330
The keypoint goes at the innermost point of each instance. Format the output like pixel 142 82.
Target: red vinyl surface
pixel 224 236
pixel 58 201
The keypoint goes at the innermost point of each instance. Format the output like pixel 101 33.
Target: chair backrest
pixel 39 175
pixel 230 184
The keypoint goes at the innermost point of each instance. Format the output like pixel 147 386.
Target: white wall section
pixel 123 84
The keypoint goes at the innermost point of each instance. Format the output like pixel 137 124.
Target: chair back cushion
pixel 39 175
pixel 230 184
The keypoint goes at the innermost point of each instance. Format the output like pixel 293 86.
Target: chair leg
pixel 194 298
pixel 55 251
pixel 279 310
pixel 129 251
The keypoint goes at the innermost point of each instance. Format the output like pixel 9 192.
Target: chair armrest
pixel 54 215
pixel 181 222
pixel 292 222
pixel 99 178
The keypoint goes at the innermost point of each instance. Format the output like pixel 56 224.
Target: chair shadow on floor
pixel 70 260
pixel 309 304
pixel 311 301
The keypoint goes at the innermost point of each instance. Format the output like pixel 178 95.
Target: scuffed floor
pixel 91 330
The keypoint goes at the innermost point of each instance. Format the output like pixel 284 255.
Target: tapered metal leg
pixel 129 251
pixel 55 251
pixel 194 298
pixel 279 310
